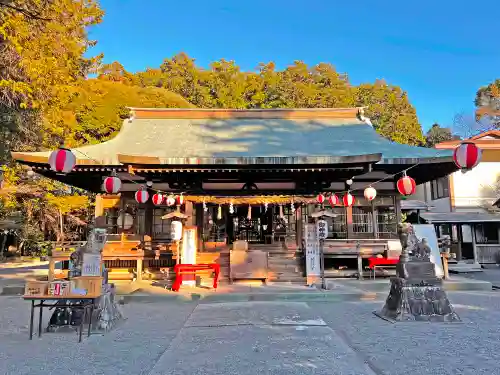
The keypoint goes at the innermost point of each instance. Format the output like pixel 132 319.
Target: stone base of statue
pixel 417 295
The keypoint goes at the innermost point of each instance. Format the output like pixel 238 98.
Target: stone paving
pixel 260 337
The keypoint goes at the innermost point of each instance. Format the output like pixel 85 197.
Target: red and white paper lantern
pixel 320 198
pixel 141 196
pixel 406 185
pixel 170 201
pixel 112 185
pixel 370 193
pixel 333 200
pixel 157 199
pixel 179 200
pixel 62 160
pixel 348 200
pixel 467 156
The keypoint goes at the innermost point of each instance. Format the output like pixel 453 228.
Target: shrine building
pixel 246 175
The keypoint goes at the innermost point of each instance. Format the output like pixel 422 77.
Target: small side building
pixel 462 205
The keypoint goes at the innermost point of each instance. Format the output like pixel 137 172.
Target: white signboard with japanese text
pixel 322 227
pixel 188 252
pixel 91 264
pixel 313 271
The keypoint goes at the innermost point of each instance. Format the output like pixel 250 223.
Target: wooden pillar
pixel 99 219
pixel 460 239
pixel 139 270
pixel 188 210
pixel 52 268
pixel 397 207
pixel 374 220
pixel 348 219
pixel 300 225
pixel 474 243
pixel 148 218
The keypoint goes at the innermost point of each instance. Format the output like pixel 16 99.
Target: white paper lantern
pixel 176 230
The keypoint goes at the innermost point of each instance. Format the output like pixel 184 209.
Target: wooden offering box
pixel 92 284
pixel 36 288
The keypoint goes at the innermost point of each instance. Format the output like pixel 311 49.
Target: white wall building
pixel 461 205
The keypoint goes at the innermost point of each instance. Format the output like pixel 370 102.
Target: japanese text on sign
pixel 322 227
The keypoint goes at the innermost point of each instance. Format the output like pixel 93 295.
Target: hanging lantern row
pixel 348 200
pixel 370 193
pixel 157 199
pixel 112 185
pixel 62 160
pixel 333 200
pixel 467 156
pixel 406 185
pixel 141 196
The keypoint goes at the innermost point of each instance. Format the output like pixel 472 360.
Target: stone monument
pixel 416 293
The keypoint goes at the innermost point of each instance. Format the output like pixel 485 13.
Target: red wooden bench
pixel 375 262
pixel 191 269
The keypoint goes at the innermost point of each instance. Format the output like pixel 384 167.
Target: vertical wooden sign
pixel 313 272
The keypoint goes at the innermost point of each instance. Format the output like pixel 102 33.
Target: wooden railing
pixel 488 253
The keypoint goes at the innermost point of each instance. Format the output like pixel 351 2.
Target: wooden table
pixel 88 303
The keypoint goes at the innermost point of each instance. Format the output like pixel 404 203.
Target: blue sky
pixel 440 52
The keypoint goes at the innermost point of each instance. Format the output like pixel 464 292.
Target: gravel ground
pixel 261 337
pixel 470 347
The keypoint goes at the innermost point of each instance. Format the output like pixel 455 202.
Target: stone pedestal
pixel 417 300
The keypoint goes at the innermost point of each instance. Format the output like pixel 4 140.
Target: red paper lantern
pixel 170 200
pixel 141 196
pixel 320 198
pixel 333 200
pixel 157 199
pixel 467 156
pixel 348 200
pixel 370 193
pixel 112 185
pixel 62 160
pixel 179 200
pixel 406 185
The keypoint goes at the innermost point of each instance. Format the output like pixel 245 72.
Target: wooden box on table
pixel 92 284
pixel 36 288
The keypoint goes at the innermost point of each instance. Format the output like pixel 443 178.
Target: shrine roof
pixel 272 136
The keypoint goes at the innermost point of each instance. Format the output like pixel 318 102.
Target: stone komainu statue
pixel 417 249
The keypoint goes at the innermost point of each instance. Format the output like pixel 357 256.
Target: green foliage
pixel 437 134
pixel 488 103
pixel 390 111
pixel 224 85
pixel 99 107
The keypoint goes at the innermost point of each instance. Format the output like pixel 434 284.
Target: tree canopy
pixel 488 104
pixel 437 134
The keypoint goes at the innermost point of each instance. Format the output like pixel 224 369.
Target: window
pixel 387 225
pixel 439 188
pixel 362 220
pixel 487 233
pixel 161 227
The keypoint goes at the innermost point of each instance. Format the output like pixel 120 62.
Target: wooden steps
pixel 284 265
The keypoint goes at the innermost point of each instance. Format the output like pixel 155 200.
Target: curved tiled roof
pixel 168 139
